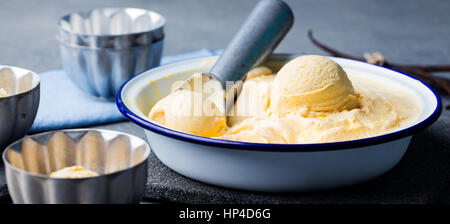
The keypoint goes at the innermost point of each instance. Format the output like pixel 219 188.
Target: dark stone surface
pixel 419 178
pixel 404 31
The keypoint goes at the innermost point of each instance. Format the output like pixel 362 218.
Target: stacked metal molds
pixel 103 48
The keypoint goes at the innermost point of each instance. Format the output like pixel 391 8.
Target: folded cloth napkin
pixel 63 105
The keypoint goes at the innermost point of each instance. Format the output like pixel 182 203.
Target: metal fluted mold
pixel 112 28
pixel 120 159
pixel 103 48
pixel 17 110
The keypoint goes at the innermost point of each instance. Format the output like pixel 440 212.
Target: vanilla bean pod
pixel 426 68
pixel 422 72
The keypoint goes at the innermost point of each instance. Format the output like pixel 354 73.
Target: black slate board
pixel 420 177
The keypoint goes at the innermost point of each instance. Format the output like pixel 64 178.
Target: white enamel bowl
pixel 271 167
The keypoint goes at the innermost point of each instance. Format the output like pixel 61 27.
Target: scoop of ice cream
pixel 3 93
pixel 254 97
pixel 311 84
pixel 73 172
pixel 191 112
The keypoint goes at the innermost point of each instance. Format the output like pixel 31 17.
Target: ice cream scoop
pixel 261 33
pixel 267 24
pixel 309 85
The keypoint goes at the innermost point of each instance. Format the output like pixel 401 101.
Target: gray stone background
pixel 416 32
pixel 404 31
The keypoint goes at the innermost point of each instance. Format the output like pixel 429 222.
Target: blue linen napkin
pixel 63 105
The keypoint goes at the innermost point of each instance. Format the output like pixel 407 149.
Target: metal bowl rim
pixel 10 166
pixel 163 22
pixel 37 85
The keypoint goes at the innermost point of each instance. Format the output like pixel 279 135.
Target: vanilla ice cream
pixel 310 100
pixel 73 172
pixel 192 111
pixel 254 97
pixel 3 93
pixel 311 83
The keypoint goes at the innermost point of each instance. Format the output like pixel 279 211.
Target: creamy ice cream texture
pixel 192 111
pixel 311 84
pixel 310 100
pixel 3 93
pixel 73 172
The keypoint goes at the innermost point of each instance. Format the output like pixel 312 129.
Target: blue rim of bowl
pixel 313 147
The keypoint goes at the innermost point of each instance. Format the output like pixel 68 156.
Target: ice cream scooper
pixel 263 30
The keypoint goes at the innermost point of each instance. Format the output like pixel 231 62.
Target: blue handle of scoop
pixel 263 30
